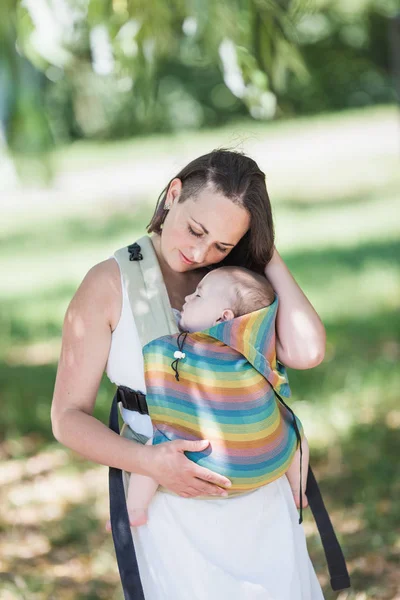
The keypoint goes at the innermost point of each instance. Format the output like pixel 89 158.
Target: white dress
pixel 248 547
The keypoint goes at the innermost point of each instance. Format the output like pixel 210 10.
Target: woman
pixel 216 211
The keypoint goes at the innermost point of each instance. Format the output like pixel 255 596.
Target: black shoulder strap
pixel 334 556
pixel 333 553
pixel 121 530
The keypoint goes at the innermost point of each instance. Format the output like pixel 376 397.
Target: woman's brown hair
pixel 239 179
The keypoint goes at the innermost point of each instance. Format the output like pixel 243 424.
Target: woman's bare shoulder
pixel 88 324
pixel 101 292
pixel 106 270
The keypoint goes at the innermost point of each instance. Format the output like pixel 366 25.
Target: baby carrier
pixel 225 385
pixel 246 344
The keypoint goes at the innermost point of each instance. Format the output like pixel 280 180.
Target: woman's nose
pixel 199 253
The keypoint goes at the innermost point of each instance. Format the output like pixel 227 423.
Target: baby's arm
pixel 293 473
pixel 141 490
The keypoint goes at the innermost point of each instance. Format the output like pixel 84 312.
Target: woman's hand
pixel 174 471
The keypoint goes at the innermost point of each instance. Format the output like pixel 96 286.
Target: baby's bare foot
pixel 137 517
pixel 296 497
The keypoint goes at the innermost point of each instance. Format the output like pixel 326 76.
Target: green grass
pixel 338 229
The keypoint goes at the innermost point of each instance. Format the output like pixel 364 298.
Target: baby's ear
pixel 227 315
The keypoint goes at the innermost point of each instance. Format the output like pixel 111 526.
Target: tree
pixel 110 67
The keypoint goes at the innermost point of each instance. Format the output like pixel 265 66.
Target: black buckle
pixel 135 252
pixel 132 400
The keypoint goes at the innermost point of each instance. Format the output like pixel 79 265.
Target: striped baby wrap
pixel 225 392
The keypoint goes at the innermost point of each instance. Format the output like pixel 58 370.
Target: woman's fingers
pixel 209 482
pixel 207 489
pixel 191 446
pixel 175 471
pixel 194 492
pixel 201 472
pixel 211 477
pixel 198 487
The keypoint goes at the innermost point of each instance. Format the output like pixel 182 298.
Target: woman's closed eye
pixel 197 234
pixel 193 232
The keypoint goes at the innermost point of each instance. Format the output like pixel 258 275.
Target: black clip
pixel 135 252
pixel 132 400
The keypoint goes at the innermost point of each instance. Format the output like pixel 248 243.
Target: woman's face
pixel 201 231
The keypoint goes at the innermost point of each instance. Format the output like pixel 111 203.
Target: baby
pixel 222 295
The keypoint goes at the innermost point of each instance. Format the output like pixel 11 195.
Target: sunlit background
pixel 101 103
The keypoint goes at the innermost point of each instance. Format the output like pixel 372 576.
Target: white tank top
pixel 125 362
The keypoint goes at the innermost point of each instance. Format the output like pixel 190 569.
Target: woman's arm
pixel 90 319
pixel 300 332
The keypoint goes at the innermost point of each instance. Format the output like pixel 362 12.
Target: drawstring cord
pixel 178 354
pixel 298 436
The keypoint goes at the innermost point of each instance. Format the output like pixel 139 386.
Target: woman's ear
pixel 174 191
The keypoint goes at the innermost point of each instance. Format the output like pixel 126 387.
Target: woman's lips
pixel 186 260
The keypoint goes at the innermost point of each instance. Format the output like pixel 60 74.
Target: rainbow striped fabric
pixel 225 394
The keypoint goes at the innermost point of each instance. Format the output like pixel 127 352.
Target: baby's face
pixel 207 304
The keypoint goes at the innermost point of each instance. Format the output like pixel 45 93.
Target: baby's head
pixel 224 294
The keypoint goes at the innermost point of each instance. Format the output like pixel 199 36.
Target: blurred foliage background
pixel 111 69
pixel 101 103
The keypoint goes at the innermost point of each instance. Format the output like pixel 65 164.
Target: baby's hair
pixel 252 291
